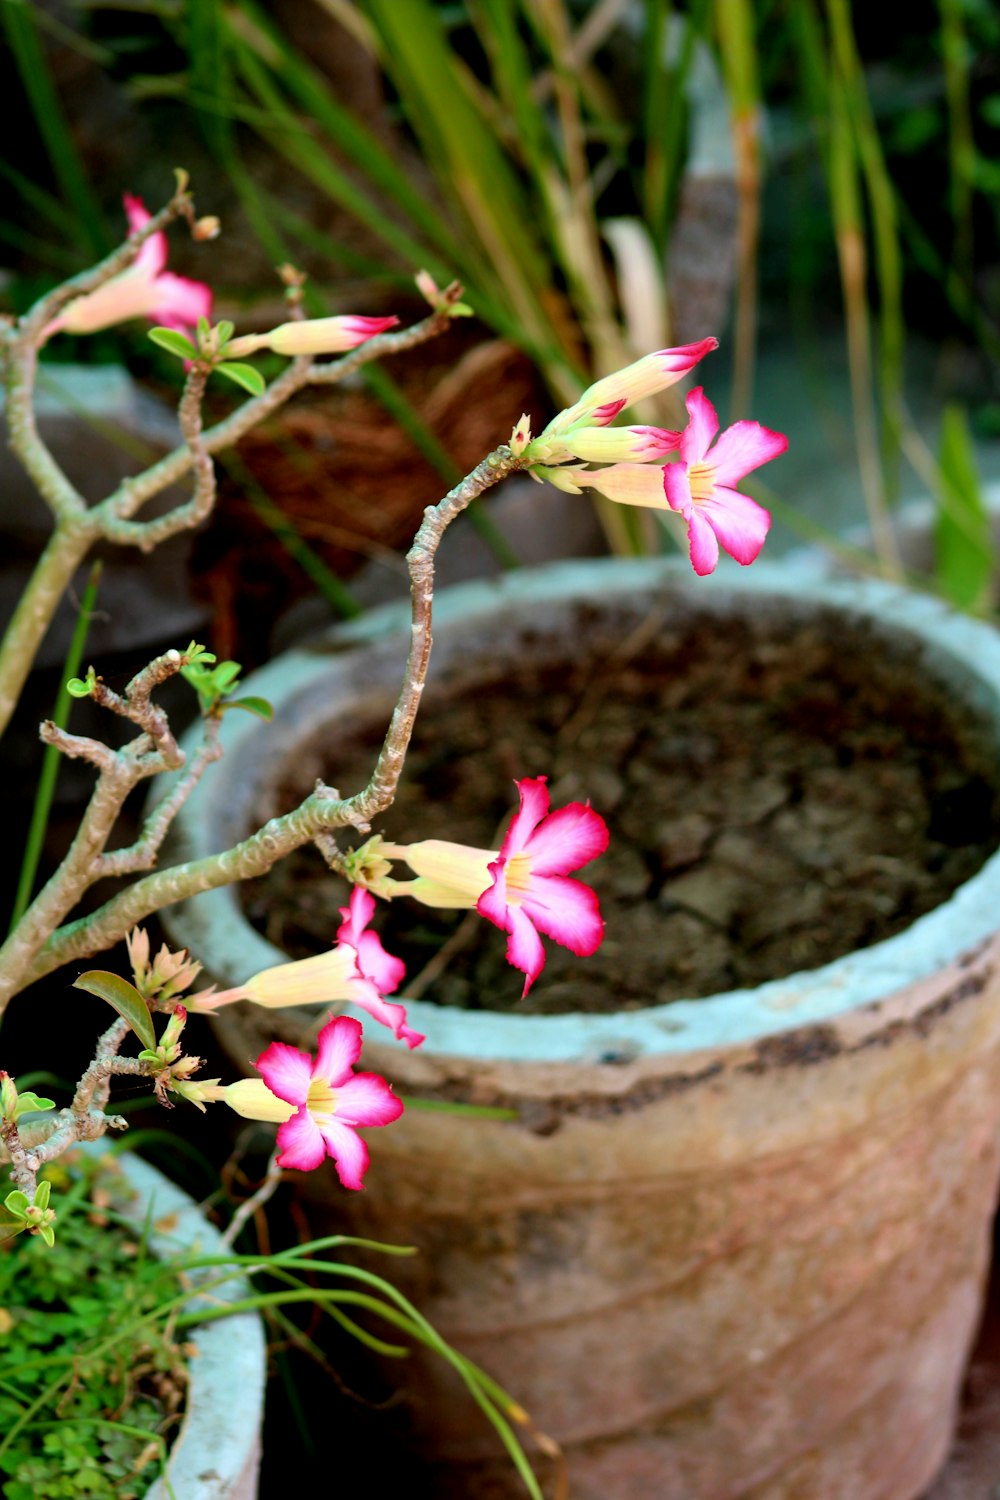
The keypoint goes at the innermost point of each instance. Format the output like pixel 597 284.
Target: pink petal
pixel 685 356
pixel 364 994
pixel 366 1099
pixel 703 545
pixel 701 428
pixel 492 904
pixel 566 839
pixel 739 523
pixel 566 910
pixel 534 806
pixel 359 328
pixel 677 488
pixel 524 946
pixel 356 914
pixel 743 447
pixel 338 1048
pixel 286 1071
pixel 180 301
pixel 383 969
pixel 301 1143
pixel 153 255
pixel 349 1152
pixel 602 415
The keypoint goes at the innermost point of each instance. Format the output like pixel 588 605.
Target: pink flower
pixel 522 887
pixel 377 970
pixel 530 893
pixel 601 402
pixel 356 969
pixel 144 290
pixel 331 1101
pixel 700 485
pixel 312 336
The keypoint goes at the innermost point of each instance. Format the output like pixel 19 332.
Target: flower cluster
pixel 524 888
pixel 682 472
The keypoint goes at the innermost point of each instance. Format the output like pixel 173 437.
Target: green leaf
pixel 245 375
pixel 258 706
pixel 224 331
pixel 43 1193
pixel 17 1203
pixel 965 551
pixel 29 1101
pixel 125 998
pixel 174 342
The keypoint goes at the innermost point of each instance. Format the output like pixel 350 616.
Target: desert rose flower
pixel 357 969
pixel 583 430
pixel 311 336
pixel 700 487
pixel 329 1101
pixel 602 401
pixel 521 888
pixel 145 290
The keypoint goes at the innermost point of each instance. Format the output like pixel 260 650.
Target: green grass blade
pixel 965 552
pixel 50 122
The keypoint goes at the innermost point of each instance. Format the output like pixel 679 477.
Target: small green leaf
pixel 77 688
pixel 125 998
pixel 42 1193
pixel 151 1057
pixel 174 342
pixel 48 1234
pixel 258 706
pixel 17 1203
pixel 203 328
pixel 28 1101
pixel 224 331
pixel 245 375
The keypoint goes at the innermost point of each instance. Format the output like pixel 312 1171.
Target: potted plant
pixel 34 1135
pixel 114 1379
pixel 719 1240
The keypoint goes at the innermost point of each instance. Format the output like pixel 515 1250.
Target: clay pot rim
pixel 950 936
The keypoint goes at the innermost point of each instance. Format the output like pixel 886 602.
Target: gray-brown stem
pixel 320 812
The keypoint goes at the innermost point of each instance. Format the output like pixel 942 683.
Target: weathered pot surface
pixel 731 1247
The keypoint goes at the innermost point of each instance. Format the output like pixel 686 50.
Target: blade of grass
pixel 50 122
pixel 851 252
pixel 737 44
pixel 35 839
pixel 888 257
pixel 961 144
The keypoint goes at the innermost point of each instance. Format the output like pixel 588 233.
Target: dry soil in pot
pixel 777 796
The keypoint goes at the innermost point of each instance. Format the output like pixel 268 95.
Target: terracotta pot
pixel 732 1247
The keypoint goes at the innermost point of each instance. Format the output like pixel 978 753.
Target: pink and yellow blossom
pixel 311 336
pixel 700 487
pixel 357 969
pixel 327 1101
pixel 144 290
pixel 644 377
pixel 522 887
